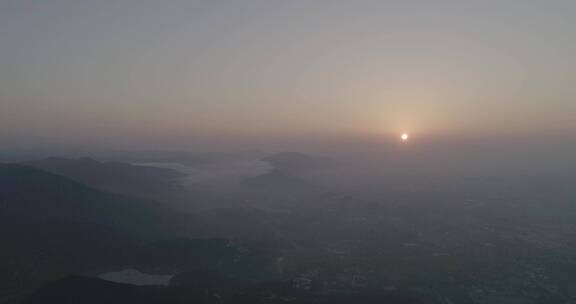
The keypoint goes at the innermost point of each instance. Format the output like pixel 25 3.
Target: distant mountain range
pixel 60 229
pixel 116 177
pixel 28 193
pixel 292 173
pixel 279 182
pixel 51 225
pixel 299 163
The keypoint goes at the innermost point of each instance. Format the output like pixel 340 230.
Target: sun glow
pixel 404 137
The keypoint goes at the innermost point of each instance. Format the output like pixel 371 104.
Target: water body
pixel 135 277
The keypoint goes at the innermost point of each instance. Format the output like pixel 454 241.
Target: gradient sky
pixel 137 71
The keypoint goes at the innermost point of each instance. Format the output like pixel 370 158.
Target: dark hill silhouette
pixel 117 177
pixel 27 194
pixel 83 290
pixel 35 252
pixel 51 226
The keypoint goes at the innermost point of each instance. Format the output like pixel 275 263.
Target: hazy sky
pixel 143 71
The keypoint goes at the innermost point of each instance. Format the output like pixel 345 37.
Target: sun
pixel 404 136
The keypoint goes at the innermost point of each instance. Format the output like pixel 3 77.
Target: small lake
pixel 135 277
